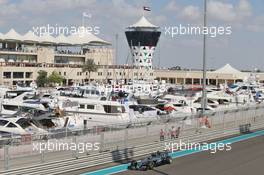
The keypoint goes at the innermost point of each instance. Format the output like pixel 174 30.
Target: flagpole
pixel 116 56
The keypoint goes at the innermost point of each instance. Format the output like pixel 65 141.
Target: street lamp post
pixel 204 100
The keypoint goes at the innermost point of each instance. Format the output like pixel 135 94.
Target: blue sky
pixel 243 49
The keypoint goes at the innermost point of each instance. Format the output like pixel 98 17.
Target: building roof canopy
pixel 143 23
pixel 74 39
pixel 227 69
pixel 86 38
pixel 12 35
pixel 63 40
pixel 30 37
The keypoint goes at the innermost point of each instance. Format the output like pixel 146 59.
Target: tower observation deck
pixel 142 38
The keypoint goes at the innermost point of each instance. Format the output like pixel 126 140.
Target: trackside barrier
pixel 115 139
pixel 75 164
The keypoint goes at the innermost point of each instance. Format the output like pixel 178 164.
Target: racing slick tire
pixel 150 166
pixel 168 160
pixel 133 165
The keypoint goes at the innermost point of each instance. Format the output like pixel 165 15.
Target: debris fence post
pixel 6 157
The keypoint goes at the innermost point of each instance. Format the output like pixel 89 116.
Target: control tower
pixel 142 38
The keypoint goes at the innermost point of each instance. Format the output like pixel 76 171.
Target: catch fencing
pixel 30 150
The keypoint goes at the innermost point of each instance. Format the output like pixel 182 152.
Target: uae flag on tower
pixel 146 8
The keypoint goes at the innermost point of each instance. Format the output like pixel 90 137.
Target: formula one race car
pixel 155 159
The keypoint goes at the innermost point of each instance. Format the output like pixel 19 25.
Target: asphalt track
pixel 245 158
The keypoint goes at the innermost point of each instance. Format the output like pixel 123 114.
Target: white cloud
pixel 41 6
pixel 244 9
pixel 66 12
pixel 158 20
pixel 3 2
pixel 38 12
pixel 257 24
pixel 217 10
pixel 221 11
pixel 190 12
pixel 228 12
pixel 172 6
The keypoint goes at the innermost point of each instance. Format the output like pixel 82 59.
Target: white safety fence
pixel 17 154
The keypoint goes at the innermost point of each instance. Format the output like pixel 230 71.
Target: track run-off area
pixel 248 152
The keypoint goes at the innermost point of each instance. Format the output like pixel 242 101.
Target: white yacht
pixel 18 126
pixel 15 100
pixel 225 97
pixel 3 91
pixel 88 91
pixel 144 112
pixel 95 112
pixel 180 103
pixel 72 122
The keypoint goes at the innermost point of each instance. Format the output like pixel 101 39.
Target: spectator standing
pixel 162 135
pixel 173 132
pixel 178 132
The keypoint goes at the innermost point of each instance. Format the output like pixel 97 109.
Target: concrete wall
pixel 45 55
pixel 101 56
pixel 195 77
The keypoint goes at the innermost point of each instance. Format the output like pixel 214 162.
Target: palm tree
pixel 89 67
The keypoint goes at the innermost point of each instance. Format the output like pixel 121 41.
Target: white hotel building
pixel 22 56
